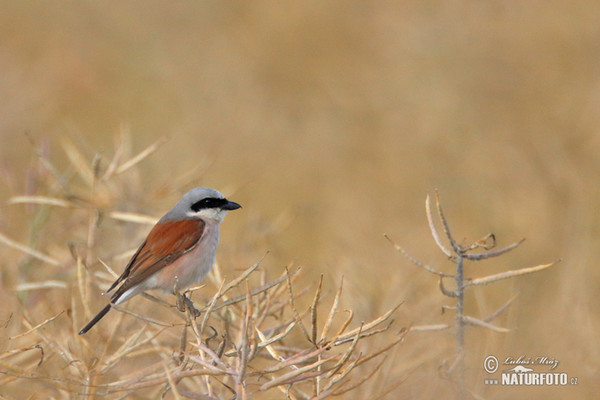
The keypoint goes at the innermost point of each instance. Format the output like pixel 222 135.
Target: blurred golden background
pixel 330 122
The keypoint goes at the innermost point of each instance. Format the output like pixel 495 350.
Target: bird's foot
pixel 184 303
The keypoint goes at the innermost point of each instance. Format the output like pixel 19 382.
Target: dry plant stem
pixel 27 250
pixel 313 311
pixel 112 166
pixel 434 232
pixel 346 355
pixel 290 375
pixel 346 323
pixel 145 319
pixel 265 343
pixel 508 274
pixel 388 389
pixel 354 385
pixel 254 292
pixel 341 338
pixel 377 353
pixel 332 312
pixel 10 353
pixel 207 380
pixel 343 374
pixel 210 308
pixel 42 200
pixel 298 358
pixel 501 309
pixel 460 322
pixel 172 383
pixel 478 322
pixel 438 327
pixel 446 292
pixel 458 254
pixel 37 326
pixel 82 286
pixel 78 160
pixel 50 284
pixel 244 349
pixel 140 156
pixel 455 247
pixel 293 306
pixel 154 380
pixel 416 261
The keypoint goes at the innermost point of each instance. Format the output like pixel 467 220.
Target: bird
pixel 178 252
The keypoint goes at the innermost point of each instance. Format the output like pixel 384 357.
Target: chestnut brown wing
pixel 165 243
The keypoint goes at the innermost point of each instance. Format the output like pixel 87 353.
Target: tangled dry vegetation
pixel 252 340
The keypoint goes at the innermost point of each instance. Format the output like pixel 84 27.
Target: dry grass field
pixel 330 122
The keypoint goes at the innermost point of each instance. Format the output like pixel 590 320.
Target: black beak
pixel 230 205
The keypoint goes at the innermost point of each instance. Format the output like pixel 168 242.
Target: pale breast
pixel 192 267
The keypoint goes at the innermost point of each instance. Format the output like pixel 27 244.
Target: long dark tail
pixel 95 320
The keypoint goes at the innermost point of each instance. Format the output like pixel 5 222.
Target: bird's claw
pixel 184 303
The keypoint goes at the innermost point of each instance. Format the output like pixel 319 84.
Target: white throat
pixel 214 214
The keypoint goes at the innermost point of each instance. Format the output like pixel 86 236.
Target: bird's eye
pixel 209 202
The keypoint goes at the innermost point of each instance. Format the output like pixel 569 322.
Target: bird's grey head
pixel 201 202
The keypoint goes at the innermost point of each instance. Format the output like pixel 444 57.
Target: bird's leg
pixel 184 302
pixel 190 306
pixel 179 302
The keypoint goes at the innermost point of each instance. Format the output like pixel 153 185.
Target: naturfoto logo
pixel 523 372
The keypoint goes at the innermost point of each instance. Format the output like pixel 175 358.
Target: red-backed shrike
pixel 178 252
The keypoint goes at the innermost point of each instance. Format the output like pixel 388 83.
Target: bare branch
pixel 38 326
pixel 141 317
pixel 293 306
pixel 28 250
pixel 495 253
pixel 446 292
pixel 332 312
pixel 507 274
pixel 43 200
pixel 434 232
pixel 438 327
pixel 298 358
pixel 313 311
pixel 356 384
pixel 21 287
pixel 416 261
pixel 140 156
pixel 132 217
pixel 477 322
pixel 438 205
pixel 501 309
pixel 253 292
pixel 290 375
pixel 369 325
pixel 347 354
